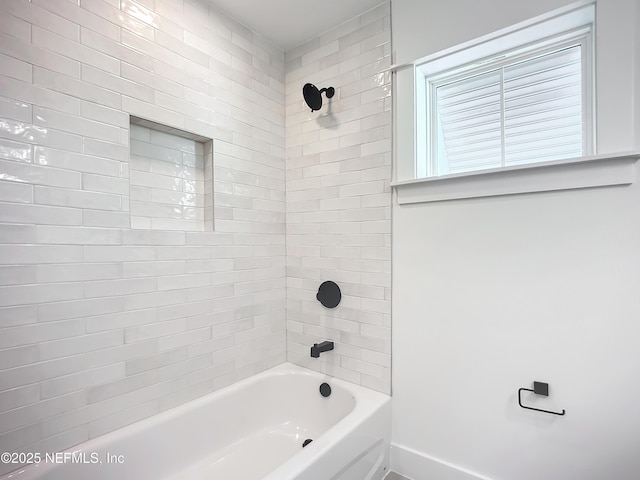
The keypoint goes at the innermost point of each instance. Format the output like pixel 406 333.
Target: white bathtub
pixel 251 430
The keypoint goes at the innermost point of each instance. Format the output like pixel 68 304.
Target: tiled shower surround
pixel 102 325
pixel 339 200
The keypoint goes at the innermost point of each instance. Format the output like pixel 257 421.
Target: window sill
pixel 583 172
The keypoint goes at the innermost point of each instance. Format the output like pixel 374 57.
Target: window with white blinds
pixel 517 108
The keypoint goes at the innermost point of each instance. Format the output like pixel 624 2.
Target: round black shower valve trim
pixel 329 294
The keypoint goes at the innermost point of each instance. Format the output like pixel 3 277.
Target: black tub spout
pixel 318 348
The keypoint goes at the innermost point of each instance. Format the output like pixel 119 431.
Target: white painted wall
pixel 617 81
pixel 491 294
pixel 421 28
pixel 636 62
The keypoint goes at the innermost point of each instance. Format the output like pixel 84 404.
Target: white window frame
pixel 579 37
pixel 410 120
pixel 576 26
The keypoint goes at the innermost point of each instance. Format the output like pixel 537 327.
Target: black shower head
pixel 313 96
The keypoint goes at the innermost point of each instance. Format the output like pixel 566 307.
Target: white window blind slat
pixel 470 132
pixel 475 108
pixel 546 113
pixel 546 93
pixel 449 92
pixel 464 154
pixel 533 133
pixel 554 65
pixel 476 163
pixel 553 152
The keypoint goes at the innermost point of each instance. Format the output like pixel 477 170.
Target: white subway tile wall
pixel 339 200
pixel 102 325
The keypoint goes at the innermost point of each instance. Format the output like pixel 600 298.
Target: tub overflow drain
pixel 306 442
pixel 325 390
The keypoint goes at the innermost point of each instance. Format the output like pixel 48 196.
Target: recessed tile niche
pixel 171 178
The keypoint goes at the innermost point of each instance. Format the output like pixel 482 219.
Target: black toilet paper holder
pixel 539 388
